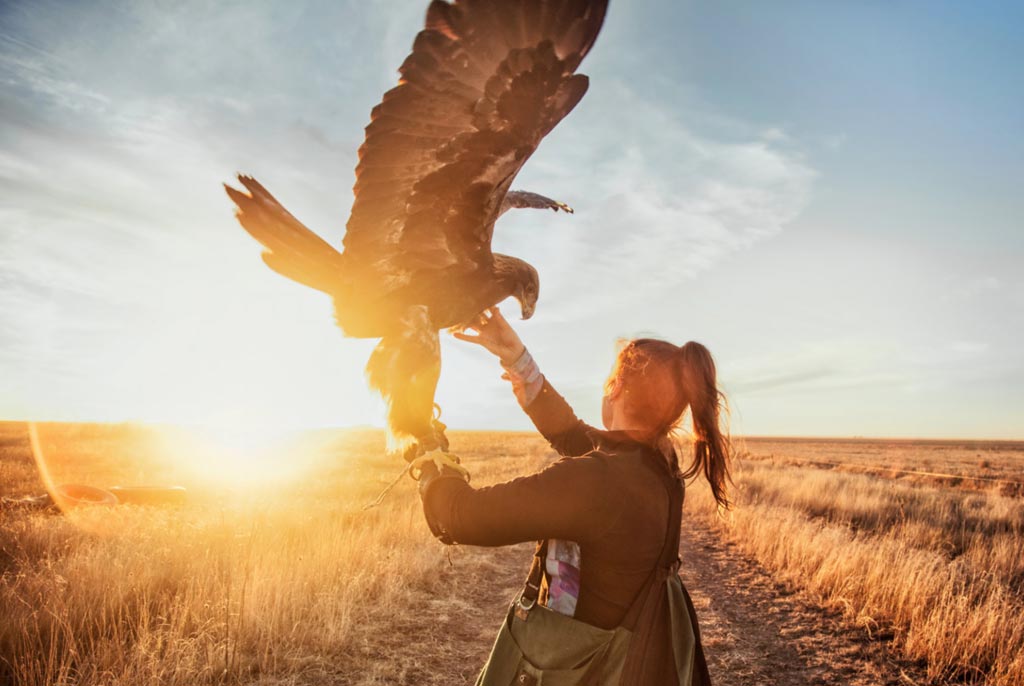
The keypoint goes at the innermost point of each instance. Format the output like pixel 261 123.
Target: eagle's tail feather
pixel 404 369
pixel 292 250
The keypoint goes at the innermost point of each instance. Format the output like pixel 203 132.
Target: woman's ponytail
pixel 711 446
pixel 660 380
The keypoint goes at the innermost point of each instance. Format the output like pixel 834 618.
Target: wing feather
pixel 484 83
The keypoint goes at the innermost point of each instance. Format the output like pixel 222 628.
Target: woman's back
pixel 616 563
pixel 614 501
pixel 618 497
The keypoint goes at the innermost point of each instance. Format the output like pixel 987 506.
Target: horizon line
pixel 373 427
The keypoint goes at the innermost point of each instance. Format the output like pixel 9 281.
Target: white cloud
pixel 657 203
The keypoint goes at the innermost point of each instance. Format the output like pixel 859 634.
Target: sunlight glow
pixel 235 456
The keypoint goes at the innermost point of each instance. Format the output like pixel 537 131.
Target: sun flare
pixel 238 458
pixel 235 456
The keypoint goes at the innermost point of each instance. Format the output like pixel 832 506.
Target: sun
pixel 237 456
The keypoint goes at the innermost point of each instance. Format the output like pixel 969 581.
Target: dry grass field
pixel 289 582
pixel 900 538
pixel 273 573
pixel 976 465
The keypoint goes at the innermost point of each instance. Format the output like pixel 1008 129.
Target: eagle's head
pixel 521 281
pixel 527 290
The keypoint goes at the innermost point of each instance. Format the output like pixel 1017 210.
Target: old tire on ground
pixel 77 495
pixel 150 495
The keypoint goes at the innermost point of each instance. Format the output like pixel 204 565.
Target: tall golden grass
pixel 283 585
pixel 940 570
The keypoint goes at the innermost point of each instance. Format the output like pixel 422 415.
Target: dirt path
pixel 450 636
pixel 756 632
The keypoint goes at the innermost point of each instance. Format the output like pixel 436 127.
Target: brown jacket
pixel 610 494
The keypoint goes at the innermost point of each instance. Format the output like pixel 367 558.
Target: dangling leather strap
pixel 531 590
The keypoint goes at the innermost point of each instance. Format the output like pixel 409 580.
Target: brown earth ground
pixel 756 632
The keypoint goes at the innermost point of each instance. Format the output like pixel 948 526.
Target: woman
pixel 610 512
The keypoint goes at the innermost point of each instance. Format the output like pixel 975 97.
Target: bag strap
pixel 531 589
pixel 668 559
pixel 641 617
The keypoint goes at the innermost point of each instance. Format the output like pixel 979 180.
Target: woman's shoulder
pixel 597 461
pixel 626 459
pixel 616 456
pixel 607 462
pixel 595 473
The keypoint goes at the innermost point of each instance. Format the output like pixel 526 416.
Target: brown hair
pixel 661 380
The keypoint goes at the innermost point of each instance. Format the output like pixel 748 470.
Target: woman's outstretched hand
pixel 494 333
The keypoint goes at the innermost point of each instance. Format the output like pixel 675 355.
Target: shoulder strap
pixel 668 558
pixel 642 615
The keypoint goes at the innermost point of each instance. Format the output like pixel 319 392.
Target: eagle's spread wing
pixel 485 82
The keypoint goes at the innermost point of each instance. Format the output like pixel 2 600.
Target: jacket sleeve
pixel 571 499
pixel 556 421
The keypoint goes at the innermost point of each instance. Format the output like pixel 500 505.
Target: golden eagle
pixel 485 82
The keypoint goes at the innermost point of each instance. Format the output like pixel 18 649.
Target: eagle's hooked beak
pixel 526 305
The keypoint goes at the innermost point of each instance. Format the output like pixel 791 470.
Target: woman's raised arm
pixel 548 410
pixel 555 420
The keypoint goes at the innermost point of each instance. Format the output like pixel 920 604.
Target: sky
pixel 826 194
